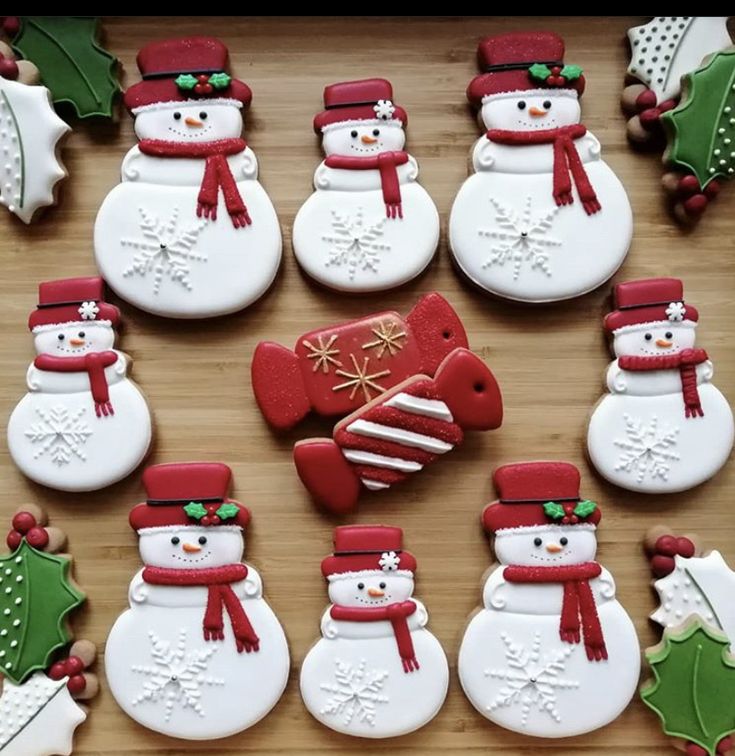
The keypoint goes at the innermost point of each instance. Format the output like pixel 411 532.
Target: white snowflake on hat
pixel 384 109
pixel 676 311
pixel 88 310
pixel 389 561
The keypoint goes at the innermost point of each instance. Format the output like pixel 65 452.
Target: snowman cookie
pixel 190 232
pixel 199 654
pixel 663 427
pixel 551 653
pixel 377 671
pixel 543 217
pixel 83 424
pixel 369 225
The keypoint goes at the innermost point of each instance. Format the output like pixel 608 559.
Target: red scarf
pixel 386 163
pixel 221 596
pixel 93 365
pixel 578 611
pixel 396 614
pixel 567 163
pixel 217 173
pixel 686 361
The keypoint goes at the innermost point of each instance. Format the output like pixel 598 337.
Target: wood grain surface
pixel 550 361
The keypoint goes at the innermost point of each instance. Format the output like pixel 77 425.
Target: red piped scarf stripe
pixel 220 597
pixel 567 163
pixel 579 620
pixel 217 174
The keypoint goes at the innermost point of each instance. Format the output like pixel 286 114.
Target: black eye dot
pixel 353 134
pixel 202 540
pixel 175 540
pixel 376 132
pixel 360 586
pixel 203 115
pixel 382 586
pixel 547 104
pixel 668 334
pixel 537 541
pixel 81 334
pixel 60 337
pixel 648 337
pixel 177 116
pixel 521 105
pixel 564 541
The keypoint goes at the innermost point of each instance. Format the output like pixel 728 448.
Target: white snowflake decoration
pixel 88 310
pixel 520 238
pixel 389 561
pixel 355 692
pixel 676 311
pixel 647 449
pixel 60 433
pixel 384 109
pixel 355 244
pixel 165 250
pixel 531 680
pixel 177 676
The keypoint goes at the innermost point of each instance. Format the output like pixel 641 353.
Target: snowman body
pixel 640 435
pixel 56 435
pixel 513 665
pixel 155 247
pixel 510 231
pixel 162 670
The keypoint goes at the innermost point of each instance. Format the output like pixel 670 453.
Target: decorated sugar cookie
pixel 199 654
pixel 384 348
pixel 400 431
pixel 30 139
pixel 190 232
pixel 84 424
pixel 551 653
pixel 377 671
pixel 41 677
pixel 369 225
pixel 663 426
pixel 543 217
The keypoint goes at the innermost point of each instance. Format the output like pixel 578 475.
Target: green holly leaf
pixel 694 684
pixel 72 64
pixel 185 81
pixel 571 72
pixel 195 510
pixel 701 128
pixel 554 510
pixel 36 594
pixel 585 508
pixel 220 80
pixel 228 511
pixel 539 71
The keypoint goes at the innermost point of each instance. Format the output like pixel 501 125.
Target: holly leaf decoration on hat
pixel 571 72
pixel 186 81
pixel 553 510
pixel 539 71
pixel 585 508
pixel 196 510
pixel 220 80
pixel 227 511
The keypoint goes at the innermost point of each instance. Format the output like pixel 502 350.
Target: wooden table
pixel 550 361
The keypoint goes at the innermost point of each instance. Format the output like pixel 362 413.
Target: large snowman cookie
pixel 190 232
pixel 83 424
pixel 377 671
pixel 369 225
pixel 199 654
pixel 663 427
pixel 543 217
pixel 551 653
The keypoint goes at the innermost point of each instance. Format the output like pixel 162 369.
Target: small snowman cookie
pixel 543 217
pixel 83 424
pixel 199 654
pixel 190 232
pixel 663 427
pixel 369 225
pixel 551 653
pixel 377 671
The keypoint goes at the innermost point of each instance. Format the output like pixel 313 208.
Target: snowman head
pixel 370 588
pixel 191 546
pixel 546 545
pixel 654 339
pixel 190 121
pixel 531 110
pixel 74 339
pixel 363 138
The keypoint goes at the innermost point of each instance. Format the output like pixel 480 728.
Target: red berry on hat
pixel 206 521
pixel 646 100
pixel 215 520
pixel 74 666
pixel 23 522
pixel 76 684
pixel 37 537
pixel 57 671
pixel 556 70
pixel 662 565
pixel 696 204
pixel 712 189
pixel 666 545
pixel 13 540
pixel 684 547
pixel 688 185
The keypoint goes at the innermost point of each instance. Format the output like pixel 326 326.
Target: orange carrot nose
pixel 554 548
pixel 76 342
pixel 534 111
pixel 193 122
pixel 191 548
pixel 365 139
pixel 659 343
pixel 375 592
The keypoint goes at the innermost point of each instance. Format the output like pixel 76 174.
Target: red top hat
pixel 72 300
pixel 188 493
pixel 520 62
pixel 650 300
pixel 178 70
pixel 537 493
pixel 368 547
pixel 364 100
